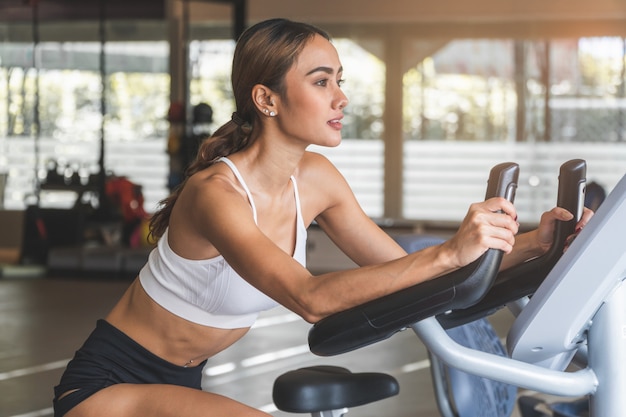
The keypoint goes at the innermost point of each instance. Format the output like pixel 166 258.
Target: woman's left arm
pixel 537 242
pixel 340 216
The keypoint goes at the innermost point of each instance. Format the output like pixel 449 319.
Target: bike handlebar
pixel 523 280
pixel 379 319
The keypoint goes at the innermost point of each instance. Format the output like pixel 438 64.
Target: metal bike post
pixel 607 355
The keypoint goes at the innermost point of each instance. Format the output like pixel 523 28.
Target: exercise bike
pixel 546 335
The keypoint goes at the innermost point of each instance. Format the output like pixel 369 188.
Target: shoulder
pixel 316 167
pixel 321 185
pixel 211 190
pixel 217 178
pixel 320 176
pixel 210 207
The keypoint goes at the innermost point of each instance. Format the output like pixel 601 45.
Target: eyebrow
pixel 327 70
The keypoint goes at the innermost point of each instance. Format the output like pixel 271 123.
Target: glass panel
pixel 18 95
pixel 68 87
pixel 364 74
pixel 464 91
pixel 210 64
pixel 587 100
pixel 470 104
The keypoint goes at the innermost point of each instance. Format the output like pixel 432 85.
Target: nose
pixel 342 100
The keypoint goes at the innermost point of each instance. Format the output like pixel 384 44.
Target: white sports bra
pixel 209 291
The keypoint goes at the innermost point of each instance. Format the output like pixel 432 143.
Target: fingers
pixel 560 213
pixel 501 239
pixel 502 214
pixel 587 214
pixel 584 219
pixel 549 218
pixel 569 241
pixel 491 224
pixel 488 225
pixel 496 204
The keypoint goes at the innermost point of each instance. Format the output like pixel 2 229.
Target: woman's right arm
pixel 218 215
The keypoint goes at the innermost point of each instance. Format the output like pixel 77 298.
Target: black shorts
pixel 110 357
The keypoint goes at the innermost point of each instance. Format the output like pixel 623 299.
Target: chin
pixel 332 142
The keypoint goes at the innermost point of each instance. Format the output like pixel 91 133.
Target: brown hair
pixel 263 55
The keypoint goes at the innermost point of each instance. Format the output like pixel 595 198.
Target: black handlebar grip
pixel 502 181
pixel 524 279
pixel 571 194
pixel 379 319
pixel 475 284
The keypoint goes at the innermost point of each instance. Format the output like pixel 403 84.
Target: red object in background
pixel 127 197
pixel 176 112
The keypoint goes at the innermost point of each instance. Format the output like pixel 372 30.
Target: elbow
pixel 309 312
pixel 313 300
pixel 310 307
pixel 311 318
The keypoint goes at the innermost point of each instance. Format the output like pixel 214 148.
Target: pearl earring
pixel 272 114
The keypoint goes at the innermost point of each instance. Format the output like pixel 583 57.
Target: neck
pixel 268 165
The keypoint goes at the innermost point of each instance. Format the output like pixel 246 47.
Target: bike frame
pixel 581 306
pixel 578 311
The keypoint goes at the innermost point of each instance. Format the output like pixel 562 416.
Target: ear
pixel 263 99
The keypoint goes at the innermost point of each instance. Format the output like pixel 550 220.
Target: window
pixel 52 111
pixel 464 91
pixel 467 105
pixel 472 103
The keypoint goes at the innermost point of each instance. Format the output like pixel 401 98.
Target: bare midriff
pixel 166 335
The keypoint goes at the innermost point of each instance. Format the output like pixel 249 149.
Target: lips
pixel 335 123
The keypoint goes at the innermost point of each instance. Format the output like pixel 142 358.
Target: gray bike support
pixel 607 356
pixel 507 370
pixel 604 379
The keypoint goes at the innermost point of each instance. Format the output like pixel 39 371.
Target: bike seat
pixel 324 388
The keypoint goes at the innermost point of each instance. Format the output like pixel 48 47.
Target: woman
pixel 232 240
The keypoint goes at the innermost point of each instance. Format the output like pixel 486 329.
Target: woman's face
pixel 312 110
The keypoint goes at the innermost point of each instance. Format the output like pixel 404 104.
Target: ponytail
pixel 228 139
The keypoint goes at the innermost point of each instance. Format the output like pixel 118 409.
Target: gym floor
pixel 44 320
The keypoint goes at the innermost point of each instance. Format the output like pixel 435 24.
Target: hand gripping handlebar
pixel 381 318
pixel 524 279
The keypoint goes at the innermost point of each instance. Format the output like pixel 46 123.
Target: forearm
pixel 336 291
pixel 526 247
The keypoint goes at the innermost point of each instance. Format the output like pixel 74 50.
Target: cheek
pixel 308 98
pixel 302 109
pixel 305 103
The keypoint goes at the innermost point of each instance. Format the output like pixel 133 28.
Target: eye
pixel 340 82
pixel 322 83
